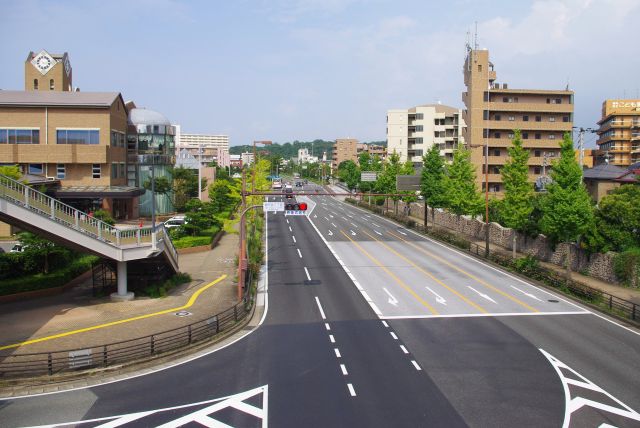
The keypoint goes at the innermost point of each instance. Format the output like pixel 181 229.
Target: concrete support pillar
pixel 122 293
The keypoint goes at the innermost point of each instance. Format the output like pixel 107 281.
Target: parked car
pixel 18 248
pixel 175 221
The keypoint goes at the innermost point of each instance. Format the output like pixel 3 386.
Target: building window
pixel 537 170
pixel 35 84
pixel 51 85
pixel 496 135
pixel 538 135
pixel 485 115
pixel 552 136
pixel 78 136
pixel 95 170
pixel 114 170
pixel 525 135
pixel 548 100
pixel 565 118
pixel 537 153
pixel 122 170
pixel 117 139
pixel 19 136
pixel 61 171
pixel 558 100
pixel 525 118
pixel 479 68
pixel 552 118
pixel 497 117
pixel 494 188
pixel 512 118
pixel 496 152
pixel 511 135
pixel 35 169
pixel 538 118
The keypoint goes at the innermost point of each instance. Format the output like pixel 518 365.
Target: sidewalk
pixel 77 309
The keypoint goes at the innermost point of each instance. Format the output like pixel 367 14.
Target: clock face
pixel 43 62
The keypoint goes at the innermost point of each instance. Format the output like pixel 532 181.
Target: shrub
pixel 626 266
pixel 526 265
pixel 192 241
pixel 160 290
pixel 104 216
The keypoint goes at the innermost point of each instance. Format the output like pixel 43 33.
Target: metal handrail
pixel 69 360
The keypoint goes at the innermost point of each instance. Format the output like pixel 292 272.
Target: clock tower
pixel 47 72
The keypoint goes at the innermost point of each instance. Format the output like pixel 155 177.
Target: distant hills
pixel 290 149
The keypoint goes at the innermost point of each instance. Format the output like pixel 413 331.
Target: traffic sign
pixel 273 206
pixel 295 212
pixel 368 176
pixel 407 182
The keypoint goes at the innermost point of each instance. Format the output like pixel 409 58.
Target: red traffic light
pixel 303 206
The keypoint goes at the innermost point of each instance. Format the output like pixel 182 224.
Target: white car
pixel 18 248
pixel 175 221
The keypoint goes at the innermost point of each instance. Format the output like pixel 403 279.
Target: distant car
pixel 288 192
pixel 175 221
pixel 18 248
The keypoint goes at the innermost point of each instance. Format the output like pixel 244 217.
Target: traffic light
pixel 302 206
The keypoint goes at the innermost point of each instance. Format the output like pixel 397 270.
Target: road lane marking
pixel 351 390
pixel 404 349
pixel 294 238
pixel 401 232
pixel 320 308
pixel 327 326
pixel 330 232
pixel 287 220
pixel 393 335
pixel 378 232
pixel 376 225
pixel 344 218
pixel 384 323
pixel 332 339
pixel 392 275
pixel 475 278
pixel 526 294
pixel 484 296
pixel 334 225
pixel 344 369
pixel 392 300
pixel 307 272
pixel 189 303
pixel 327 218
pixel 416 365
pixel 354 225
pixel 352 232
pixel 430 275
pixel 337 351
pixel 290 230
pixel 299 253
pixel 489 314
pixel 439 298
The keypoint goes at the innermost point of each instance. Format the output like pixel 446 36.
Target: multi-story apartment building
pixel 305 157
pixel 494 111
pixel 247 158
pixel 411 132
pixel 349 149
pixel 204 147
pixel 619 133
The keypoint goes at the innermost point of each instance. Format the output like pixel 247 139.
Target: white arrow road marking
pixel 482 294
pixel 526 294
pixel 330 216
pixel 439 298
pixel 334 225
pixel 402 233
pixel 392 300
pixel 330 233
pixel 326 218
pixel 315 216
pixel 352 232
pixel 378 232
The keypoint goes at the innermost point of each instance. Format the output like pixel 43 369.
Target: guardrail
pixel 56 362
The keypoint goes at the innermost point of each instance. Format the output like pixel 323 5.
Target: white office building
pixel 305 157
pixel 412 132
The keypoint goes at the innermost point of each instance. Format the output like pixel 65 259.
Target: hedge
pixel 192 241
pixel 51 280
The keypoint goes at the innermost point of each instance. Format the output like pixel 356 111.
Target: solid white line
pixel 332 339
pixel 394 336
pixel 344 369
pixel 294 239
pixel 375 309
pixel 307 272
pixel 384 323
pixel 504 314
pixel 365 295
pixel 327 326
pixel 404 349
pixel 320 307
pixel 337 351
pixel 351 390
pixel 299 253
pixel 415 365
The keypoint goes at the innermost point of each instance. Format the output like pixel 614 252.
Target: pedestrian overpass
pixel 31 210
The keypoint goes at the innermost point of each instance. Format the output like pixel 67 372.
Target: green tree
pixel 36 251
pixel 567 209
pixel 408 196
pixel 618 218
pixel 432 182
pixel 11 171
pixel 461 195
pixel 386 182
pixel 349 173
pixel 516 207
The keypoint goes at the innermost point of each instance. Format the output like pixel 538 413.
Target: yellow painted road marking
pixel 429 274
pixel 391 274
pixel 475 278
pixel 190 303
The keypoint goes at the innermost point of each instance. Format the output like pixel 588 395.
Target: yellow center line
pixel 391 274
pixel 190 303
pixel 429 274
pixel 475 278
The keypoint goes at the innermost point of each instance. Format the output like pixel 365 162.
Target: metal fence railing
pixel 49 363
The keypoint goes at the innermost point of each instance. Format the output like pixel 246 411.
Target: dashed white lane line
pixel 332 339
pixel 299 253
pixel 320 308
pixel 376 225
pixel 290 230
pixel 327 326
pixel 416 365
pixel 354 225
pixel 294 239
pixel 394 336
pixel 378 232
pixel 287 220
pixel 401 232
pixel 309 277
pixel 404 349
pixel 337 351
pixel 384 323
pixel 344 369
pixel 334 225
pixel 351 390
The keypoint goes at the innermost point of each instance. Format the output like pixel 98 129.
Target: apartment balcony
pixel 510 125
pixel 60 153
pixel 529 143
pixel 635 123
pixel 541 107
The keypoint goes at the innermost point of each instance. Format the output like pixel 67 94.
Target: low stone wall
pixel 596 265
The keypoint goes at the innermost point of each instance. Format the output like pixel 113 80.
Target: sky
pixel 285 70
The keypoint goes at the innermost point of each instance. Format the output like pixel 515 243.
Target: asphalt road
pixel 353 337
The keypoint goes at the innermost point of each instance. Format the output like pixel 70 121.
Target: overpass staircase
pixel 31 210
